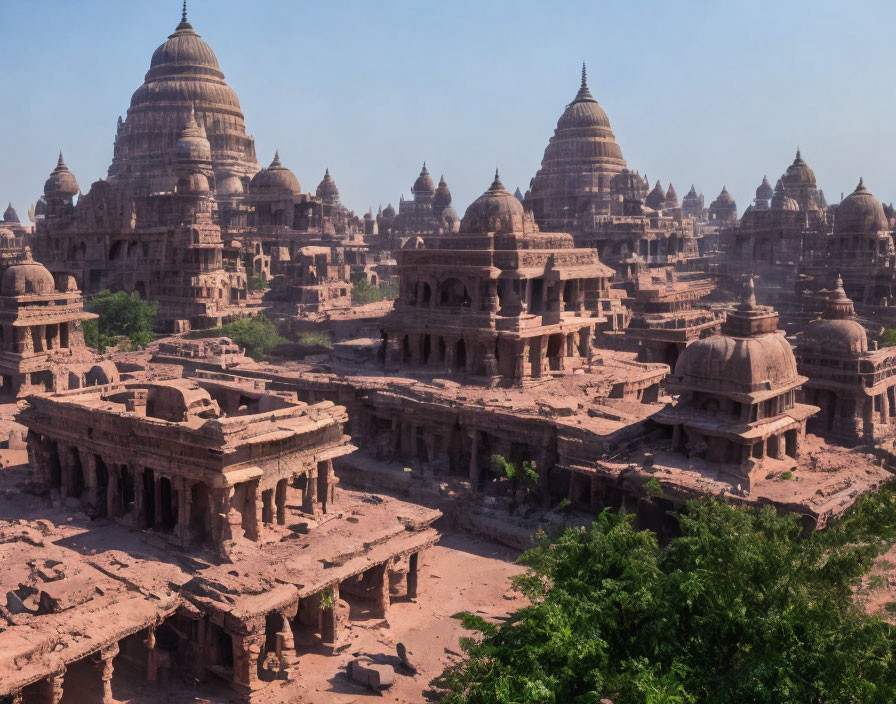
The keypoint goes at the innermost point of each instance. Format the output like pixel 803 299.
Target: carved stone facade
pixel 736 404
pixel 499 301
pixel 41 340
pixel 853 384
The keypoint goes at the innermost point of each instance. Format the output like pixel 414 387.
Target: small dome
pixel 725 364
pixel 423 186
pixel 860 213
pixel 496 210
pixel 27 278
pixel 10 215
pixel 389 211
pixel 275 177
pixel 798 173
pixel 780 199
pixel 724 199
pixel 327 190
pixel 833 337
pixel 192 144
pixel 764 190
pixel 450 219
pixel 656 197
pixel 229 184
pixel 62 181
pixel 443 195
pixel 671 198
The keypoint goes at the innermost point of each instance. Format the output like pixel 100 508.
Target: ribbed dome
pixel 584 111
pixel 496 210
pixel 798 173
pixel 183 75
pixel 823 336
pixel 185 48
pixel 276 176
pixel 442 198
pixel 579 162
pixel 423 185
pixel 27 278
pixel 62 181
pixel 860 213
pixel 10 215
pixel 327 190
pixel 738 365
pixel 764 190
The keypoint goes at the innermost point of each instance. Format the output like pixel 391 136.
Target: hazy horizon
pixel 706 93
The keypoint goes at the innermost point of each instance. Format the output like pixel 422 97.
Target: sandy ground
pixel 461 573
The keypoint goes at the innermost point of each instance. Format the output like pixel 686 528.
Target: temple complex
pixel 184 78
pixel 737 403
pixel 429 212
pixel 236 484
pixel 499 300
pixel 853 384
pixel 197 516
pixel 41 340
pixel 584 187
pixel 667 316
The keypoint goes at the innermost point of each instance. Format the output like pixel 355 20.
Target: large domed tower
pixel 183 75
pixel 799 184
pixel 736 408
pixel 578 167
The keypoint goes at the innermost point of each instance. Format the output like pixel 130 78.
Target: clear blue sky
pixel 697 92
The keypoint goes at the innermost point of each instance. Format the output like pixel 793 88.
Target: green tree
pixel 120 314
pixel 741 608
pixel 888 339
pixel 365 292
pixel 521 475
pixel 258 335
pixel 258 283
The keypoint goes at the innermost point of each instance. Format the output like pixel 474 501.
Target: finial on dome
pixel 61 162
pixel 861 186
pixel 184 23
pixel 798 157
pixel 327 172
pixel 750 293
pixel 584 76
pixel 276 161
pixel 838 286
pixel 496 184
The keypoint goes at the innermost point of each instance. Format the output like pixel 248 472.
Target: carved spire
pixel 584 93
pixel 496 184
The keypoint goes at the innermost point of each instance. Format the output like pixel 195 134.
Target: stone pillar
pixel 91 487
pixel 280 501
pixel 51 688
pixel 329 625
pixel 285 647
pixel 379 578
pixel 158 501
pixel 113 492
pixel 106 657
pixel 474 461
pixel 65 464
pixel 413 574
pixel 184 509
pixel 247 649
pixel 309 496
pixel 490 304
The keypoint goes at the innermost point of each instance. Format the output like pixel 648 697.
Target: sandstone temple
pixel 203 520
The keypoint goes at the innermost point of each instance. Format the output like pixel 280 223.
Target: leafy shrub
pixel 741 608
pixel 121 314
pixel 257 335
